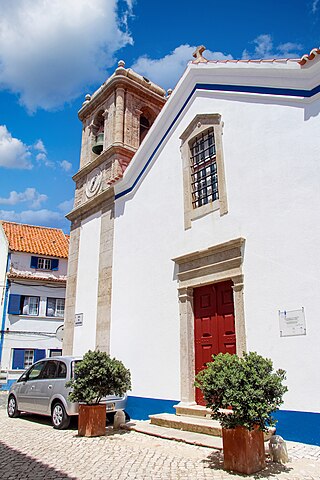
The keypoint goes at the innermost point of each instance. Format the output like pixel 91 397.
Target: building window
pixel 28 358
pixel 41 263
pixel 56 352
pixel 55 307
pixel 203 168
pixel 23 305
pixel 30 305
pixel 44 263
pixel 204 177
pixel 22 358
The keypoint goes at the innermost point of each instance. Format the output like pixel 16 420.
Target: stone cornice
pixel 91 204
pixel 124 151
pixel 122 79
pixel 222 247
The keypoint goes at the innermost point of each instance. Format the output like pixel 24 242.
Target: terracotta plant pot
pixel 92 420
pixel 243 450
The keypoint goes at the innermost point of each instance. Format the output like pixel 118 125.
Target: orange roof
pixel 47 241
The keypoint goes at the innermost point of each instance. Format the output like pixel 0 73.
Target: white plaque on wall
pixel 78 319
pixel 292 323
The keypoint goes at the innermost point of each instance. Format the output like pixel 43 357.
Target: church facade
pixel 201 237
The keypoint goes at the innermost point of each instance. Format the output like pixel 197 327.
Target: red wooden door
pixel 214 324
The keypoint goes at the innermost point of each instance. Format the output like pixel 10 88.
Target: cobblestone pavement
pixel 31 449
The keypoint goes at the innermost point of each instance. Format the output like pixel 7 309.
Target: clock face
pixel 93 182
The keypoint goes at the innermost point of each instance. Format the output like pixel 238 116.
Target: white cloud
pixel 13 152
pixel 66 206
pixel 42 157
pixel 50 50
pixel 65 165
pixel 166 71
pixel 265 48
pixel 314 6
pixel 39 145
pixel 30 195
pixel 34 217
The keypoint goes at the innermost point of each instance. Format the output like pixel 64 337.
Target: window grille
pixel 204 176
pixel 28 358
pixel 44 263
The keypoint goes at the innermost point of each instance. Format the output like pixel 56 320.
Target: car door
pixel 28 387
pixel 45 387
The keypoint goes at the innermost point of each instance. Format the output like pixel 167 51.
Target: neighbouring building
pixel 33 272
pixel 203 238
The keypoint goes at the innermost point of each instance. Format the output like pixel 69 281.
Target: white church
pixel 195 229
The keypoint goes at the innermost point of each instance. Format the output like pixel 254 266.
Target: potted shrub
pixel 97 375
pixel 242 393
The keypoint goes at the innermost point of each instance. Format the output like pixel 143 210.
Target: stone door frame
pixel 212 265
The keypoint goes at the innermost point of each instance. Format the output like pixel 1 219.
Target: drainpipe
pixel 5 302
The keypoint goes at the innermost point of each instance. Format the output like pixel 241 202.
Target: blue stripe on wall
pixel 299 426
pixel 295 426
pixel 139 408
pixel 291 92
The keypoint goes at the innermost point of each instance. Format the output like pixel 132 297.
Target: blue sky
pixel 56 51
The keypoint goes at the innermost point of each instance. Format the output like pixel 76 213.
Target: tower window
pixel 144 127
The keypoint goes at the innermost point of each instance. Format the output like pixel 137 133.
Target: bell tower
pixel 115 120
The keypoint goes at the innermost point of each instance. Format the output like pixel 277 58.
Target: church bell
pixel 98 145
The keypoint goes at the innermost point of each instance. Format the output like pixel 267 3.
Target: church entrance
pixel 214 327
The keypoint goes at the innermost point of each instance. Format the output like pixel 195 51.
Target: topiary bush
pixel 98 375
pixel 248 385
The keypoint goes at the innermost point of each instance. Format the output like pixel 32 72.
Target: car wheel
pixel 12 408
pixel 59 417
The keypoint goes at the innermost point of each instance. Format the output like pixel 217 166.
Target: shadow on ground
pixel 215 461
pixel 14 464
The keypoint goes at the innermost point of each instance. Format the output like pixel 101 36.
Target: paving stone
pixel 31 449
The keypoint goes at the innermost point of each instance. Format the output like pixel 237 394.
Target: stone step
pixel 191 438
pixel 195 424
pixel 192 411
pixel 190 424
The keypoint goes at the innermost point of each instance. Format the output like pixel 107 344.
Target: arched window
pixel 144 127
pixel 98 130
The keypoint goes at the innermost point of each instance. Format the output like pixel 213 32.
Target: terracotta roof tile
pixel 39 240
pixel 307 58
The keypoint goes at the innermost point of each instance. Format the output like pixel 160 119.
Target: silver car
pixel 41 389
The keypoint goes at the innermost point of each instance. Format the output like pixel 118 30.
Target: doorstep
pixel 191 438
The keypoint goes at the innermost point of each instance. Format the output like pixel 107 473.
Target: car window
pixel 74 365
pixel 35 371
pixel 49 370
pixel 23 377
pixel 62 370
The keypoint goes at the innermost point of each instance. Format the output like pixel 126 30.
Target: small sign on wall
pixel 78 319
pixel 292 323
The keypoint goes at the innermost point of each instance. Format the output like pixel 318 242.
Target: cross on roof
pixel 197 54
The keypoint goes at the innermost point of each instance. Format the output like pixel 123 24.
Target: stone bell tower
pixel 115 120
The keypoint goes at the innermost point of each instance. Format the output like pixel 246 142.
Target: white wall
pixel 87 284
pixel 271 154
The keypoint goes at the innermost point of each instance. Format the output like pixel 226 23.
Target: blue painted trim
pixel 292 425
pixel 6 386
pixel 139 408
pixel 291 92
pixel 299 426
pixel 4 314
